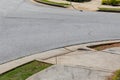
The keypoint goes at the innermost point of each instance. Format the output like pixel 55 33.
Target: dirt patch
pixel 105 46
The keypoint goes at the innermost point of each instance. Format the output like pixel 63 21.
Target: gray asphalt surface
pixel 27 28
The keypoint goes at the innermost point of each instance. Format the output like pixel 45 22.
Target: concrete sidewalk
pixel 62 72
pixel 82 64
pixel 96 60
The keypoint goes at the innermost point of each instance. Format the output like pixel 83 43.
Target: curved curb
pixel 48 54
pixel 47 3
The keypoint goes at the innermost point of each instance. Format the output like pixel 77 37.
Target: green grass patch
pixel 24 71
pixel 109 9
pixel 79 0
pixel 111 2
pixel 65 5
pixel 116 76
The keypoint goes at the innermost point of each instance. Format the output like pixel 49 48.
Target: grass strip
pixel 65 5
pixel 24 71
pixel 109 9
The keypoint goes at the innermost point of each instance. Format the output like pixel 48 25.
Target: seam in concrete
pixel 59 54
pixel 110 52
pixel 96 69
pixel 68 49
pixel 90 68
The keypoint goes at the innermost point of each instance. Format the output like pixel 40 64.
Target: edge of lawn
pixel 107 9
pixel 57 4
pixel 24 71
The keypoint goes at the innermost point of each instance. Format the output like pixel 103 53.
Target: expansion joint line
pixel 110 52
pixel 68 49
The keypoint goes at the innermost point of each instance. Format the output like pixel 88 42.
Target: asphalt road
pixel 27 28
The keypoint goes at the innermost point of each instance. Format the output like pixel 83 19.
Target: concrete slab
pixel 60 72
pixel 96 60
pixel 115 50
pixel 57 59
